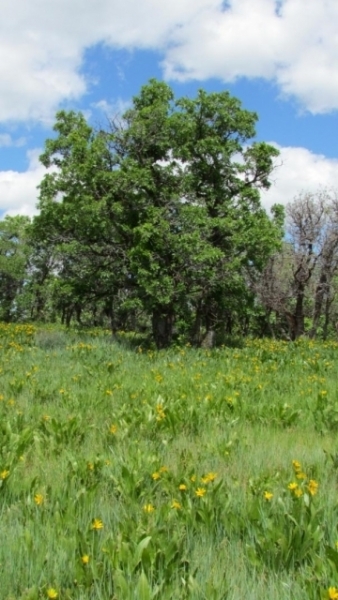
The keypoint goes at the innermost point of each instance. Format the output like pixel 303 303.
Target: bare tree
pixel 327 266
pixel 297 281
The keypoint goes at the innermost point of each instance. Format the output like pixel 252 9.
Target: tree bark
pixel 318 307
pixel 196 329
pixel 162 327
pixel 328 302
pixel 299 314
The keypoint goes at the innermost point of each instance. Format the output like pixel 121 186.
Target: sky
pixel 279 57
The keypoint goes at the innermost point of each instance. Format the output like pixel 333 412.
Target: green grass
pixel 91 430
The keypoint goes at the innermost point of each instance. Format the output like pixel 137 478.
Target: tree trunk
pixel 229 324
pixel 318 307
pixel 291 325
pixel 69 314
pixel 296 320
pixel 328 302
pixel 162 326
pixel 208 340
pixel 110 312
pixel 299 314
pixel 38 304
pixel 196 329
pixel 78 311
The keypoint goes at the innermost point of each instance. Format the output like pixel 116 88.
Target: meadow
pixel 131 474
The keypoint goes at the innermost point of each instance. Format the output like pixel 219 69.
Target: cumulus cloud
pixel 298 170
pixel 43 44
pixel 7 140
pixel 112 109
pixel 18 190
pixel 288 41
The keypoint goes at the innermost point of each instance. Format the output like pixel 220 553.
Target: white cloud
pixel 18 190
pixel 299 170
pixel 7 140
pixel 297 48
pixel 43 46
pixel 112 109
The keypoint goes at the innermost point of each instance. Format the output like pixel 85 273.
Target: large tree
pixel 162 210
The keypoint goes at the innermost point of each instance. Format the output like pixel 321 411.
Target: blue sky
pixel 280 58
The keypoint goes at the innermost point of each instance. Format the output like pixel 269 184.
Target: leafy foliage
pixel 161 213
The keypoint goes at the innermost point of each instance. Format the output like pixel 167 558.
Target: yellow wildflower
pixel 97 524
pixel 301 475
pixel 148 508
pixel 4 474
pixel 164 469
pixel 200 492
pixel 160 412
pixel 313 487
pixel 296 466
pixel 113 429
pixel 156 476
pixel 85 559
pixel 182 487
pixel 38 499
pixel 209 477
pixel 298 492
pixel 51 593
pixel 333 593
pixel 176 505
pixel 268 495
pixel 292 486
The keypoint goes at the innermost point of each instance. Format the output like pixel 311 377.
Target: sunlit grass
pixel 136 474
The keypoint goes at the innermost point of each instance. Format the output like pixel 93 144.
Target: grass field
pixel 132 474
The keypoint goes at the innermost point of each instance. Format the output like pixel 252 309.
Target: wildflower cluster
pixel 309 485
pixel 160 412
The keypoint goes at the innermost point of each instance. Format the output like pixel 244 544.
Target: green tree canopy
pixel 161 211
